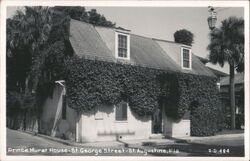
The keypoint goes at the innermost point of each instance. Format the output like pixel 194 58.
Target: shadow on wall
pixel 108 109
pixel 141 118
pixel 46 126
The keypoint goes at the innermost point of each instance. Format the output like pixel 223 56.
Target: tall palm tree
pixel 227 46
pixel 27 33
pixel 29 37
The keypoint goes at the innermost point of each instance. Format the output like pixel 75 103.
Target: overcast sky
pixel 162 22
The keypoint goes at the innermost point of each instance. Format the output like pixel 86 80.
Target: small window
pixel 64 107
pixel 121 112
pixel 122 45
pixel 186 58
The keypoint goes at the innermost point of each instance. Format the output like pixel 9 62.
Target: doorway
pixel 157 121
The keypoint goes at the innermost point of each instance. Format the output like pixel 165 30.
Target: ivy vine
pixel 91 83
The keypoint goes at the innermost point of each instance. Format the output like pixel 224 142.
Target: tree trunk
pixel 232 96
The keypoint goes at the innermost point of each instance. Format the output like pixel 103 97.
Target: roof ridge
pixel 152 38
pixel 169 41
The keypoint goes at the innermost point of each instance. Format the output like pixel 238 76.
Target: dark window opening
pixel 121 112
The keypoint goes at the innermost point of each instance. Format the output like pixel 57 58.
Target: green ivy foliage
pixel 206 115
pixel 93 82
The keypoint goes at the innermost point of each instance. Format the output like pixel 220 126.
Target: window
pixel 186 58
pixel 122 46
pixel 121 112
pixel 64 107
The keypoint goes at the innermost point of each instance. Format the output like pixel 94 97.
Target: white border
pixel 5 3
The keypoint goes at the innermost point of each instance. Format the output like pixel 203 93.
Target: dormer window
pixel 186 58
pixel 122 45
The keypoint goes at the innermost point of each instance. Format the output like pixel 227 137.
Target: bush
pixel 184 36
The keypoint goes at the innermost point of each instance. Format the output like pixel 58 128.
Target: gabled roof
pixel 203 60
pixel 95 42
pixel 218 73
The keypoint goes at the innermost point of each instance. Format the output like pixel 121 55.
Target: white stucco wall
pixel 175 129
pixel 102 126
pixel 51 118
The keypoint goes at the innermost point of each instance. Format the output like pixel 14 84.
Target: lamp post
pixel 212 18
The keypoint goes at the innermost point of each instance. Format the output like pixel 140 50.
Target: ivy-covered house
pixel 124 86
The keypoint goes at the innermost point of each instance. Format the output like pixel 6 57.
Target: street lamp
pixel 212 18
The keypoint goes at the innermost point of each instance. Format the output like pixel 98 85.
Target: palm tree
pixel 29 37
pixel 27 33
pixel 227 46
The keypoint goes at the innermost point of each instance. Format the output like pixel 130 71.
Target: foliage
pixel 184 36
pixel 30 36
pixel 227 43
pixel 92 82
pixel 80 14
pixel 22 101
pixel 37 44
pixel 201 97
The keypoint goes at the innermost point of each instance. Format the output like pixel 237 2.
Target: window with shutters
pixel 186 58
pixel 121 112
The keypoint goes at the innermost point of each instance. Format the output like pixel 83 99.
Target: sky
pixel 162 22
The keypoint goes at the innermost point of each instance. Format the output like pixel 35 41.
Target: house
pixel 223 86
pixel 118 122
pixel 239 98
pixel 217 73
pixel 220 75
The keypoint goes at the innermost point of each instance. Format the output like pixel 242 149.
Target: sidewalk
pixel 144 142
pixel 196 139
pixel 120 143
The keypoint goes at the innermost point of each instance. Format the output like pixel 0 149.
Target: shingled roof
pixel 90 41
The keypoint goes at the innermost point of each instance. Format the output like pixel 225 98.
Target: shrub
pixel 184 36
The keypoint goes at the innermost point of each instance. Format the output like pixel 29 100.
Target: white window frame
pixel 190 58
pixel 116 45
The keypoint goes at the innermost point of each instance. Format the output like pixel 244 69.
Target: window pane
pixel 124 111
pixel 185 63
pixel 185 54
pixel 122 52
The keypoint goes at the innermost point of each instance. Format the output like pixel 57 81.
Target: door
pixel 157 121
